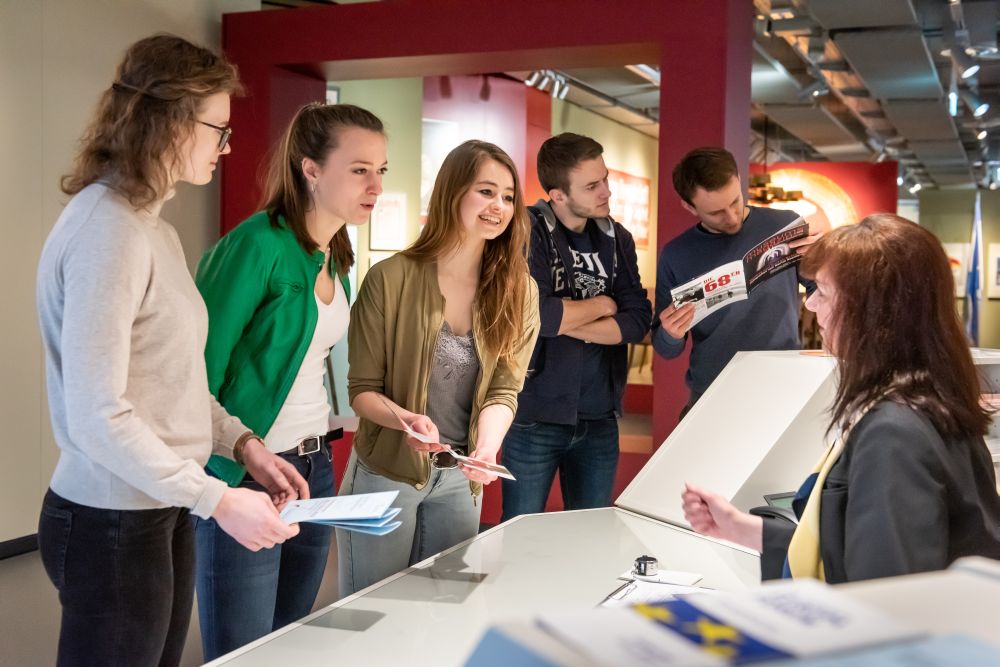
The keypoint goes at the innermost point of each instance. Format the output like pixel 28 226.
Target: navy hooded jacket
pixel 552 388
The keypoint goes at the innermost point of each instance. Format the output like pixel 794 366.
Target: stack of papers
pixel 369 513
pixel 779 621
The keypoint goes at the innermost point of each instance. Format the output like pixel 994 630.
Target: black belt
pixel 314 443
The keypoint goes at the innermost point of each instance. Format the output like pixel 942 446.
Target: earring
pixel 312 187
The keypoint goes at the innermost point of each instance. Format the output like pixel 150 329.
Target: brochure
pixel 732 282
pixel 493 468
pixel 369 513
pixel 775 622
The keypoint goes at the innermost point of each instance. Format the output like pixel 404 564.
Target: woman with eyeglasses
pixel 908 485
pixel 439 344
pixel 277 294
pixel 124 331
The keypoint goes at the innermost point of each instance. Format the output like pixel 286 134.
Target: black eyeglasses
pixel 224 133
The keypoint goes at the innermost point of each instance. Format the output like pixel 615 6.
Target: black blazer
pixel 900 500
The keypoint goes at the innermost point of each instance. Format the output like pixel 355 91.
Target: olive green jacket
pixel 393 332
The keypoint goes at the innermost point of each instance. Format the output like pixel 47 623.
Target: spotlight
pixel 546 79
pixel 563 90
pixel 976 105
pixel 533 79
pixel 966 65
pixel 982 135
pixel 814 89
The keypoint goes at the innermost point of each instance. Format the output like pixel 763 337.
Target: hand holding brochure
pixel 483 466
pixel 732 282
pixel 364 513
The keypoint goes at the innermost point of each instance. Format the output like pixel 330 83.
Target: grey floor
pixel 29 613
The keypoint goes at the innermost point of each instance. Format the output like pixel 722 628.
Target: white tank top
pixel 306 410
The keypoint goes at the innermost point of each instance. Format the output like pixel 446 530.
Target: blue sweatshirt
pixel 768 320
pixel 556 374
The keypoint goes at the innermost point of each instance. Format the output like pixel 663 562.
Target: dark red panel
pixel 703 49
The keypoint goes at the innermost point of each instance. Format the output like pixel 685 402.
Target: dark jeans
pixel 125 580
pixel 242 594
pixel 585 454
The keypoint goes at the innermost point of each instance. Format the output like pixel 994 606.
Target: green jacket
pixel 393 332
pixel 258 286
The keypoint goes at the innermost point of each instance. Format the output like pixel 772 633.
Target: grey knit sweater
pixel 124 332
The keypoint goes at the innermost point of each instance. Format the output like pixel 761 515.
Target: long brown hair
pixel 897 333
pixel 314 133
pixel 142 119
pixel 503 274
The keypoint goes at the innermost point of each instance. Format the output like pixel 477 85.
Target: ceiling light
pixel 544 83
pixel 915 188
pixel 982 135
pixel 976 105
pixel 533 79
pixel 953 92
pixel 563 91
pixel 966 65
pixel 899 181
pixel 814 89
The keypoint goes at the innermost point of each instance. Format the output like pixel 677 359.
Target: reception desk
pixel 435 612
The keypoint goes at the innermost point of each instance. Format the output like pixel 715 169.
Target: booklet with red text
pixel 732 282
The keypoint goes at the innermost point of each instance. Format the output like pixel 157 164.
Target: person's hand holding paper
pixel 420 432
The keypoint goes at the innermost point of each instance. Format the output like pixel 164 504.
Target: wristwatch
pixel 241 444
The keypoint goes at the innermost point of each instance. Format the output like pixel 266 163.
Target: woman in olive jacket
pixel 439 344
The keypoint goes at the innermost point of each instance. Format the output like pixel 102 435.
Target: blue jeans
pixel 243 595
pixel 585 454
pixel 435 518
pixel 124 579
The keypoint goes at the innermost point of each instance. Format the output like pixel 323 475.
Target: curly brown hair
pixel 145 115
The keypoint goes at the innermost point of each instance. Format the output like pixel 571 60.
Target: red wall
pixel 703 49
pixel 871 187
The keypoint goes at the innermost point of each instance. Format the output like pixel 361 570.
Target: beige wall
pixel 948 214
pixel 625 150
pixel 56 56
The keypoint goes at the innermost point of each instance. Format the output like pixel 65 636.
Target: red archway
pixel 703 49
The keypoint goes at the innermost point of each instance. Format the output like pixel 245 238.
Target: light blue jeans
pixel 435 518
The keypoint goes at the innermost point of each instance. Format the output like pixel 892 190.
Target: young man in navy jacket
pixel 592 305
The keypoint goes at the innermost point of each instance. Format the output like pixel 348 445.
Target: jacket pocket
pixel 832 531
pixel 54 527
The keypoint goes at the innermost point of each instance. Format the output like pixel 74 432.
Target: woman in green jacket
pixel 440 340
pixel 277 295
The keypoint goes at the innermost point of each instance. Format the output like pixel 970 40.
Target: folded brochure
pixel 732 282
pixel 369 513
pixel 484 466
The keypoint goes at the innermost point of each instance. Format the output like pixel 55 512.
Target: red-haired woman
pixel 908 485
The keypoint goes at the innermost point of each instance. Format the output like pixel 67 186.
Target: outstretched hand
pixel 712 515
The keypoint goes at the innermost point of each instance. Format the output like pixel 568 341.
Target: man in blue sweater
pixel 592 305
pixel 708 182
